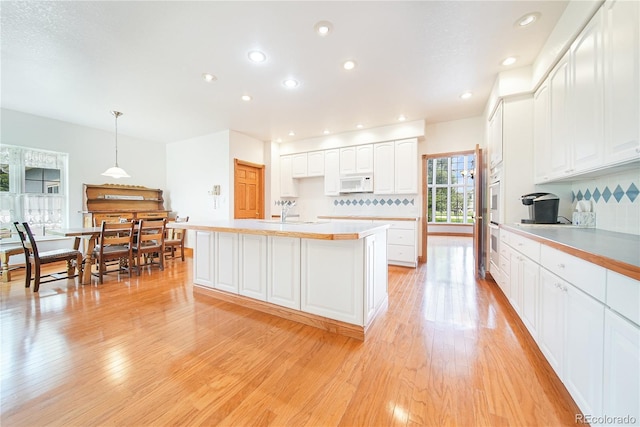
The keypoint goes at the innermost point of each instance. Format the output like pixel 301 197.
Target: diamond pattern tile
pixel 579 195
pixel 587 194
pixel 573 196
pixel 596 195
pixel 618 193
pixel 606 194
pixel 632 192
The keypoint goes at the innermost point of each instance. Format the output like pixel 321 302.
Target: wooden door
pixel 249 190
pixel 478 222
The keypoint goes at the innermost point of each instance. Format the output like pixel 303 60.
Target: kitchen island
pixel 331 275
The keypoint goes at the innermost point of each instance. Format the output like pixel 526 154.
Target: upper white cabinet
pixel 315 163
pixel 621 80
pixel 299 165
pixel 495 137
pixel 384 168
pixel 559 123
pixel 356 159
pixel 288 186
pixel 541 140
pixel 332 172
pixel 396 167
pixel 406 166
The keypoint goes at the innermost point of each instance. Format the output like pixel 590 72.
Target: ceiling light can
pixel 349 64
pixel 209 77
pixel 246 98
pixel 323 28
pixel 290 83
pixel 527 19
pixel 257 56
pixel 466 95
pixel 509 61
pixel 402 118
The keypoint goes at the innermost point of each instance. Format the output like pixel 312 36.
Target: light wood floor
pixel 145 351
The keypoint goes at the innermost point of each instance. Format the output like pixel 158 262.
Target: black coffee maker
pixel 543 208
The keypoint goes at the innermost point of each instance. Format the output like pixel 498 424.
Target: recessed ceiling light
pixel 278 139
pixel 292 133
pixel 509 61
pixel 326 131
pixel 466 95
pixel 257 56
pixel 349 65
pixel 527 19
pixel 359 126
pixel 246 98
pixel 209 77
pixel 401 118
pixel 323 28
pixel 290 83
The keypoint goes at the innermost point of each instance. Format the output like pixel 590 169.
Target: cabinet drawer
pixel 505 265
pixel 623 295
pixel 584 275
pixel 505 236
pixel 111 217
pixel 403 225
pixel 527 247
pixel 151 215
pixel 401 237
pixel 401 253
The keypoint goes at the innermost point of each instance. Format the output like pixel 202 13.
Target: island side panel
pixel 376 274
pixel 253 266
pixel 203 265
pixel 283 283
pixel 332 279
pixel 226 262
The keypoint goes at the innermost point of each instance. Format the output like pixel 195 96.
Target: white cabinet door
pixel 204 259
pixel 369 277
pixel 583 349
pixel 541 136
pixel 253 266
pixel 226 262
pixel 495 137
pixel 622 80
pixel 586 98
pixel 406 166
pixel 621 392
pixel 332 172
pixel 383 168
pixel 559 82
pixel 364 158
pixel 299 165
pixel 347 160
pixel 551 326
pixel 288 186
pixel 530 274
pixel 283 282
pixel 315 163
pixel 515 277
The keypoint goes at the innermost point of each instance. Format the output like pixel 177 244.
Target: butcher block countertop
pixel 618 252
pixel 368 217
pixel 322 230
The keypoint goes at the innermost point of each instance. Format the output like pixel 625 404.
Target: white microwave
pixel 356 184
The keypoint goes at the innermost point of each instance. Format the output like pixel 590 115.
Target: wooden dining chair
pixel 115 243
pixel 174 239
pixel 34 257
pixel 149 243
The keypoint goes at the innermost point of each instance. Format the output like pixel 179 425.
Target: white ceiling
pixel 76 61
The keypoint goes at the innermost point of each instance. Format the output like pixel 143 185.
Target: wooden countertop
pixel 322 230
pixel 618 252
pixel 367 217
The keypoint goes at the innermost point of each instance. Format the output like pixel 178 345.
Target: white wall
pixel 91 151
pixel 194 166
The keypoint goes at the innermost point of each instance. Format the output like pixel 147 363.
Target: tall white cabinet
pixel 396 167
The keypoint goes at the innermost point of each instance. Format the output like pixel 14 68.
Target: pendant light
pixel 116 172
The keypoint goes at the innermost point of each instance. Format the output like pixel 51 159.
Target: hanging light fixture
pixel 116 172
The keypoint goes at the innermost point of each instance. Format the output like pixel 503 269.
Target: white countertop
pixel 320 229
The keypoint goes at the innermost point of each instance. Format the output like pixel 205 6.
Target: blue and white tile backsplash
pixel 614 198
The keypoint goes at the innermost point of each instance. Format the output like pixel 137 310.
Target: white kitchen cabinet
pixel 204 258
pixel 332 172
pixel 495 137
pixel 621 81
pixel 226 262
pixel 288 186
pixel 252 265
pixel 356 159
pixel 283 278
pixel 551 325
pixel 406 166
pixel 559 126
pixel 541 135
pixel 530 278
pixel 515 281
pixel 621 392
pixel 402 243
pixel 369 277
pixel 384 168
pixel 299 165
pixel 586 115
pixel 315 163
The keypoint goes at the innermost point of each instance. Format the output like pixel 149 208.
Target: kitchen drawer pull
pixel 560 265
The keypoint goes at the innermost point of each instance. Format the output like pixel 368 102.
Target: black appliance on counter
pixel 543 208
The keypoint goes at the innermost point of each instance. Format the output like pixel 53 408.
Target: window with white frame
pixel 450 189
pixel 32 188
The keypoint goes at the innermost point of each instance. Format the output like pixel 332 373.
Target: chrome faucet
pixel 285 210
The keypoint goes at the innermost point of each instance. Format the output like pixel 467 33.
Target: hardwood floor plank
pixel 147 351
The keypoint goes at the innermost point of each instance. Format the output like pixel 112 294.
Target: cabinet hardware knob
pixel 560 265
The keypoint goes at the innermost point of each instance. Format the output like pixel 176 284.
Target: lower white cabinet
pixel 226 262
pixel 283 267
pixel 621 367
pixel 524 278
pixel 402 243
pixel 253 266
pixel 203 263
pixel 551 325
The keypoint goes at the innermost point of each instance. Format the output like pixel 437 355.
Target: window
pixel 450 189
pixel 32 188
